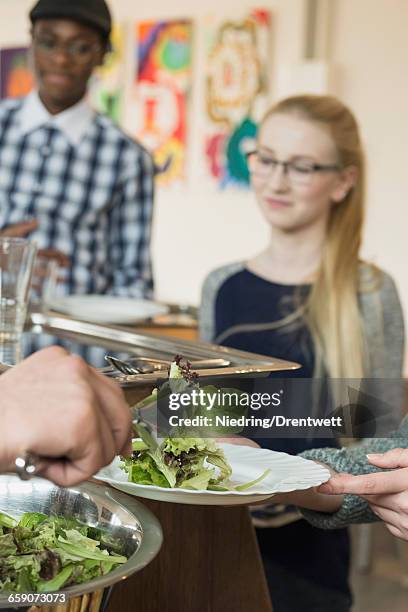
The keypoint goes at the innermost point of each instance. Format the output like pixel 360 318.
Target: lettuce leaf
pixel 144 470
pixel 7 521
pixel 176 446
pixel 218 459
pixel 32 519
pixel 49 586
pixel 199 482
pixel 44 554
pixel 179 462
pixel 83 551
pixel 7 545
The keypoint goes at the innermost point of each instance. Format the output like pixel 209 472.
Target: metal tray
pixel 114 338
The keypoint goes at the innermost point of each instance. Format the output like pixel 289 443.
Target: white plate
pixel 288 473
pixel 107 308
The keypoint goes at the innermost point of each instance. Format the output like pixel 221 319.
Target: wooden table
pixel 209 561
pixel 183 333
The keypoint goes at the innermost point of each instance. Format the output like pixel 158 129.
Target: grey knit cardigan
pixel 383 323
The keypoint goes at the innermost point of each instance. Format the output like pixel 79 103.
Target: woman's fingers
pixel 387 515
pixel 396 532
pixel 367 484
pixel 396 522
pixel 394 458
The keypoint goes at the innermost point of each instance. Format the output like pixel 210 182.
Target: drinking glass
pixel 16 264
pixel 44 283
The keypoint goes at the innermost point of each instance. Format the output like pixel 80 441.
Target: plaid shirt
pixel 93 199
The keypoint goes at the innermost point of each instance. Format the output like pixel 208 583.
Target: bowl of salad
pixel 69 541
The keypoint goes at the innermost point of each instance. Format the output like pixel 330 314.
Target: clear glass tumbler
pixel 17 256
pixel 44 283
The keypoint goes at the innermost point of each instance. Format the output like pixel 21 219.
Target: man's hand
pixel 62 260
pixel 19 230
pixel 56 406
pixel 24 229
pixel 386 492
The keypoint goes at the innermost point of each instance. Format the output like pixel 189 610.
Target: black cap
pixel 93 13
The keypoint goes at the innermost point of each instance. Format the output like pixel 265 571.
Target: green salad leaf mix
pixel 42 554
pixel 180 461
pixel 188 463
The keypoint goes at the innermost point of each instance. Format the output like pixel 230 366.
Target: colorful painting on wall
pixel 162 89
pixel 236 93
pixel 16 77
pixel 107 85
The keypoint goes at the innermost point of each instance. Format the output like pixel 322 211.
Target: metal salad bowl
pixel 120 515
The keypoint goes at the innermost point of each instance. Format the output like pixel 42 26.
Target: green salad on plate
pixel 181 460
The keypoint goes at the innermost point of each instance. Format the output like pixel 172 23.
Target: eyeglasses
pixel 299 172
pixel 79 52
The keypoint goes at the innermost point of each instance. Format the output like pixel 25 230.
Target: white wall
pixel 370 49
pixel 197 227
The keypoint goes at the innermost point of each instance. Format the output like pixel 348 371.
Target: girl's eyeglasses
pixel 299 172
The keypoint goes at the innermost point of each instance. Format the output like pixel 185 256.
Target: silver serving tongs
pixel 143 429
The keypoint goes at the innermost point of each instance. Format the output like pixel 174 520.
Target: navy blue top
pixel 246 298
pixel 318 564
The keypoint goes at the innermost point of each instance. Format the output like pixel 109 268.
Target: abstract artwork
pixel 236 93
pixel 107 85
pixel 162 89
pixel 16 77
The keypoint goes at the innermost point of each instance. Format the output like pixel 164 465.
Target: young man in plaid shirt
pixel 69 177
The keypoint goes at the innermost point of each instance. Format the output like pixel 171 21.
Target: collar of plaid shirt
pixel 73 122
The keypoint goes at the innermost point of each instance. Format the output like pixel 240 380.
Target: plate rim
pixel 61 305
pixel 325 476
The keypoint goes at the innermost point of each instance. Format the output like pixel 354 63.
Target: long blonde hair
pixel 332 310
